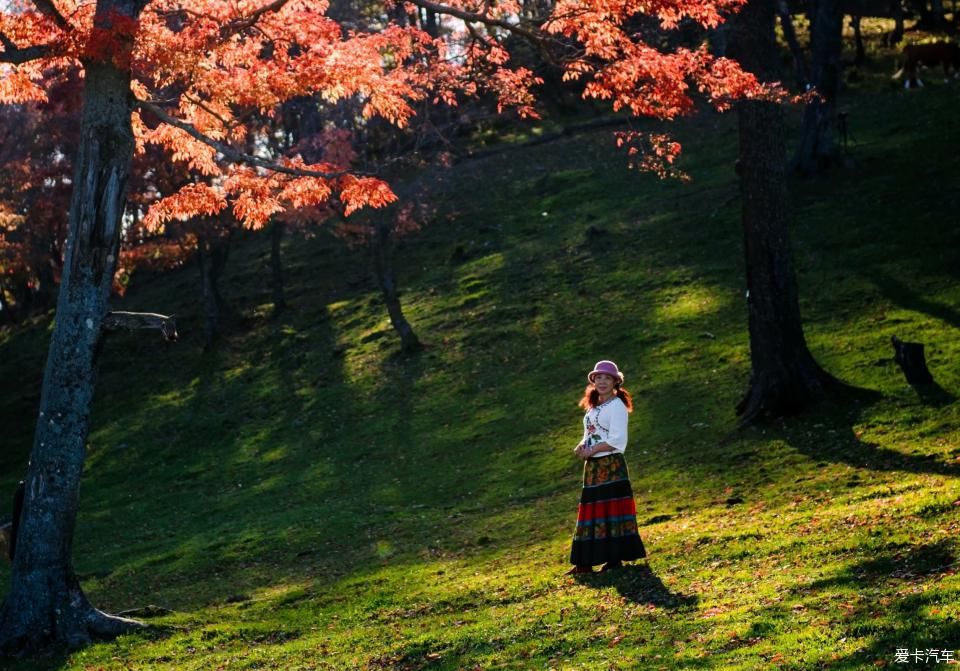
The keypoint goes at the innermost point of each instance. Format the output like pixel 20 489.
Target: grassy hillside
pixel 306 498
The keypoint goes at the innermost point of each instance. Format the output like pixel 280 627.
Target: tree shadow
pixel 899 561
pixel 639 584
pixel 839 419
pixel 908 623
pixel 234 493
pixel 905 296
pixel 934 395
pixel 52 660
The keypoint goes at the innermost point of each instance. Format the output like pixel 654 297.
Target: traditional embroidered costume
pixel 607 515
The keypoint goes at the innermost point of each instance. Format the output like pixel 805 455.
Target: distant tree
pixel 155 238
pixel 932 15
pixel 377 234
pixel 790 35
pixel 36 164
pixel 305 127
pixel 817 149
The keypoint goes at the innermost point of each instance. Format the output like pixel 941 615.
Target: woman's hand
pixel 585 452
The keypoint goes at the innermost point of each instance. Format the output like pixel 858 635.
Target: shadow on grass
pixel 898 561
pixel 639 584
pixel 910 299
pixel 909 621
pixel 845 445
pixel 934 395
pixel 47 662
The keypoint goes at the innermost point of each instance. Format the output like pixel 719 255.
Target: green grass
pixel 306 498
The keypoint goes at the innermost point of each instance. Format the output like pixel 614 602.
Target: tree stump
pixel 910 357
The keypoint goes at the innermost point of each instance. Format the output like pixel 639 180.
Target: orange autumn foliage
pixel 213 65
pixel 221 67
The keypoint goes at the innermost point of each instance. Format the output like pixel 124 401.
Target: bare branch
pixel 141 320
pixel 238 156
pixel 552 49
pixel 230 27
pixel 473 17
pixel 202 105
pixel 47 8
pixel 248 21
pixel 17 55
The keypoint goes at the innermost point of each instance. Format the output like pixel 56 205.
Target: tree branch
pixel 17 55
pixel 141 320
pixel 47 8
pixel 473 17
pixel 248 21
pixel 233 154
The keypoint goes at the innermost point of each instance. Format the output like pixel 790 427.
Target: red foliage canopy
pixel 209 76
pixel 203 72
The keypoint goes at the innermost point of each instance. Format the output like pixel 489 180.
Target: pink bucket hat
pixel 607 367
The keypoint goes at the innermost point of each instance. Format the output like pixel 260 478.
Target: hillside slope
pixel 303 497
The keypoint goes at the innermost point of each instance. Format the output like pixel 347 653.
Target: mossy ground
pixel 304 497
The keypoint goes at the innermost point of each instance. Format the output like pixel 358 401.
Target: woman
pixel 607 516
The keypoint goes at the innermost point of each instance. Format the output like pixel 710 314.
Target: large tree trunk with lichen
pixel 784 378
pixel 817 150
pixel 381 251
pixel 45 605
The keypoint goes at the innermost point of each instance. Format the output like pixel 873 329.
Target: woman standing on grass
pixel 607 516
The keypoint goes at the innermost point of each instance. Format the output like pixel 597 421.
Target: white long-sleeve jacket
pixel 606 423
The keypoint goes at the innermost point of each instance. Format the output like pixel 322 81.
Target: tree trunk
pixel 717 41
pixel 926 16
pixel 912 361
pixel 537 10
pixel 784 377
pixel 818 148
pixel 383 268
pixel 429 23
pixel 23 298
pixel 276 266
pixel 790 35
pixel 861 56
pixel 45 295
pixel 937 14
pixel 898 27
pixel 932 15
pixel 212 253
pixel 6 314
pixel 45 605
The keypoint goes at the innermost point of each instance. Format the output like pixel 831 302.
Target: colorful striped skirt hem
pixel 607 515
